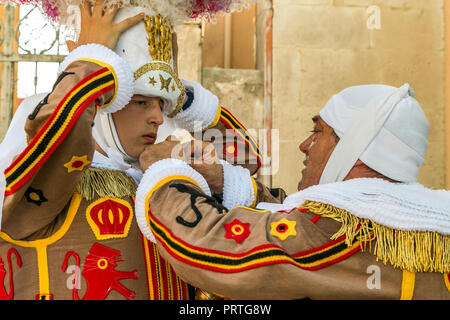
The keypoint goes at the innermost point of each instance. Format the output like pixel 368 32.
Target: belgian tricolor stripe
pixel 268 254
pixel 162 282
pixel 232 123
pixel 57 127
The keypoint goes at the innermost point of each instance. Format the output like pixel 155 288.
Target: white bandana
pixel 383 126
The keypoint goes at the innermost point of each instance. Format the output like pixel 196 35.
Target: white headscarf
pixel 383 126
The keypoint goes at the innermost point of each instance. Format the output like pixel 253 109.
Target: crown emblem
pixel 109 218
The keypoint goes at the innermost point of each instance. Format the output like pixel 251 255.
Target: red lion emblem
pixel 100 274
pixel 3 294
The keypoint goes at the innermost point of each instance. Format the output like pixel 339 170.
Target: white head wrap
pixel 383 126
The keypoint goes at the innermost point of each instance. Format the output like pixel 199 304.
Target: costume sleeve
pixel 266 194
pixel 242 253
pixel 42 178
pixel 203 116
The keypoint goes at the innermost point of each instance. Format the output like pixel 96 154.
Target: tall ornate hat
pixel 147 47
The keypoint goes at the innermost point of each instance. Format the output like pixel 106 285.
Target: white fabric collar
pixel 402 206
pixel 115 161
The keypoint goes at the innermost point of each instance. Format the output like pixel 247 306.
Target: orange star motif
pixel 77 163
pixel 283 229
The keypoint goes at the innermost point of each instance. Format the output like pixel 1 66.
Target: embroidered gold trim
pixel 408 282
pixel 155 66
pixel 105 183
pixel 415 251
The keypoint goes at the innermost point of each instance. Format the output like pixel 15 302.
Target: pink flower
pixel 51 9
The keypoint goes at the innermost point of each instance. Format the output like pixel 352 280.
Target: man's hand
pixel 198 154
pixel 97 25
pixel 170 148
pixel 204 160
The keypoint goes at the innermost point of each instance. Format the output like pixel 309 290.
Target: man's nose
pixel 155 116
pixel 304 146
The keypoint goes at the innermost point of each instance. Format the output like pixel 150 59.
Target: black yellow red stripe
pixel 57 127
pixel 263 255
pixel 162 282
pixel 241 132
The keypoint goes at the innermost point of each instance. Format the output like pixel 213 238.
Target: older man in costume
pixel 68 225
pixel 360 227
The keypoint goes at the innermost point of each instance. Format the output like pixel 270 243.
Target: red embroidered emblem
pixel 100 273
pixel 237 230
pixel 109 218
pixel 3 294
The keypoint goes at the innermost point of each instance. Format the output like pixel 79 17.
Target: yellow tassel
pixel 105 183
pixel 415 251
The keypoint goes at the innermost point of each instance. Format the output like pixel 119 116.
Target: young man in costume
pixel 360 227
pixel 68 225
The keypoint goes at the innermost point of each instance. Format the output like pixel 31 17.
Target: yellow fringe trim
pixel 415 251
pixel 105 183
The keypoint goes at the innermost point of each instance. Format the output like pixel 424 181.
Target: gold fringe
pixel 159 32
pixel 415 251
pixel 105 183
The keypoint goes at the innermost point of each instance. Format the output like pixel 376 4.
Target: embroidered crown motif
pixel 109 218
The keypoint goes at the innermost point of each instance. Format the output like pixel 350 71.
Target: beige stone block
pixel 291 165
pixel 320 27
pixel 326 72
pixel 401 4
pixel 189 51
pixel 284 3
pixel 240 91
pixel 286 78
pixel 413 29
pixel 355 3
pixel 423 4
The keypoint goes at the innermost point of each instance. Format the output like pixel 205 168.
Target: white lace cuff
pixel 157 172
pixel 202 111
pixel 120 68
pixel 238 187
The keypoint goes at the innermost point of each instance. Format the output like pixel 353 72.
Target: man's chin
pixel 300 185
pixel 303 184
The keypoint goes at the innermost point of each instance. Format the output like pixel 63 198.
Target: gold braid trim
pixel 105 183
pixel 415 251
